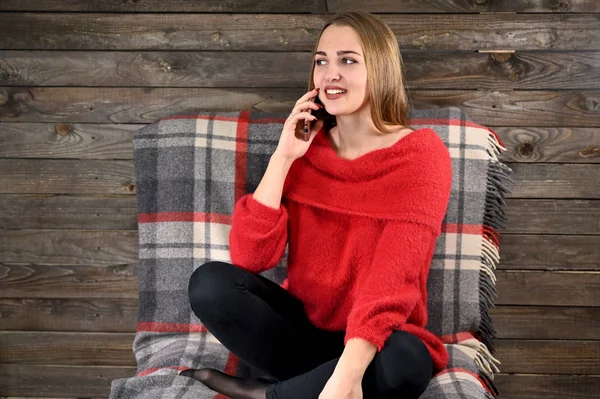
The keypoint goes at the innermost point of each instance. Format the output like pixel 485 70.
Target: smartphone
pixel 318 115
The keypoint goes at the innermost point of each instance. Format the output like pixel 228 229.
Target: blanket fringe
pixel 493 220
pixel 492 391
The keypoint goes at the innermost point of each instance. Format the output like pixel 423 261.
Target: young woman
pixel 361 203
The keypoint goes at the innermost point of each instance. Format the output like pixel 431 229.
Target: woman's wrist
pixel 355 359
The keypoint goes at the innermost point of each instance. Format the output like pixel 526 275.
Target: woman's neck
pixel 352 145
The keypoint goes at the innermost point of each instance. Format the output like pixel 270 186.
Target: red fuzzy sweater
pixel 361 236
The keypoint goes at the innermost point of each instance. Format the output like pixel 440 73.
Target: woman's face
pixel 346 70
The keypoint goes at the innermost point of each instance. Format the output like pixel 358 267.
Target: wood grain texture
pixel 40 211
pixel 549 252
pixel 69 281
pixel 70 247
pixel 458 6
pixel 66 348
pixel 423 70
pixel 115 141
pixel 80 314
pixel 101 177
pixel 67 176
pixel 56 381
pixel 289 32
pixel 551 288
pixel 288 6
pixel 549 356
pixel 228 6
pixel 546 322
pixel 544 386
pixel 68 141
pixel 145 105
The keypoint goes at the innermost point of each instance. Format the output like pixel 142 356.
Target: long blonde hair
pixel 388 96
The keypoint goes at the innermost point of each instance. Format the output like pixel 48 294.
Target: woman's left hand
pixel 341 386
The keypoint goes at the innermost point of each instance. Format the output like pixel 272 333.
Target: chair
pixel 191 169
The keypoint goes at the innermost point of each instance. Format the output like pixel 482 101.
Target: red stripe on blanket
pixel 462 228
pixel 461 370
pixel 184 217
pixel 459 337
pixel 154 326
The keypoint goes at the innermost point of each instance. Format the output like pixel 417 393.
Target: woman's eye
pixel 343 59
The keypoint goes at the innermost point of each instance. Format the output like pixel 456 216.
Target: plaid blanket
pixel 191 170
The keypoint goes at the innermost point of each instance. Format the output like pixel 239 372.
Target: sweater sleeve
pixel 391 286
pixel 258 234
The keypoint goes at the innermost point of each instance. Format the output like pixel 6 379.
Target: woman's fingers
pixel 307 95
pixel 303 115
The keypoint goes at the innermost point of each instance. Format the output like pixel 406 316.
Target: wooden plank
pixel 114 141
pixel 549 252
pixel 552 216
pixel 66 140
pixel 577 181
pixel 114 212
pixel 333 6
pixel 425 70
pixel 228 6
pixel 546 322
pixel 67 348
pixel 145 105
pixel 290 32
pixel 69 281
pixel 548 288
pixel 548 356
pixel 84 315
pixel 101 177
pixel 120 315
pixel 56 381
pixel 544 386
pixel 118 212
pixel 281 6
pixel 562 145
pixel 106 349
pixel 71 247
pixel 56 176
pixel 454 6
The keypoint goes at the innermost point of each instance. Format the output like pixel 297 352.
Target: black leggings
pixel 265 326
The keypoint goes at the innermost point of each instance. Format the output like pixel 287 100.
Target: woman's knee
pixel 407 365
pixel 211 283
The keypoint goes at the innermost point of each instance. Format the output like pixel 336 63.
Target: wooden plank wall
pixel 77 78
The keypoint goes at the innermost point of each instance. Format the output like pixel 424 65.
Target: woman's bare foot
pixel 234 387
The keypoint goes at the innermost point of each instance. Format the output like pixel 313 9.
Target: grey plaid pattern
pixel 191 170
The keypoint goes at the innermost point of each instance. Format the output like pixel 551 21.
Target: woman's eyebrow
pixel 339 53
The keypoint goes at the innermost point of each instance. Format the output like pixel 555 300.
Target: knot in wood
pixel 63 129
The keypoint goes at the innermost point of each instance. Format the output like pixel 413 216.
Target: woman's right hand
pixel 290 146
